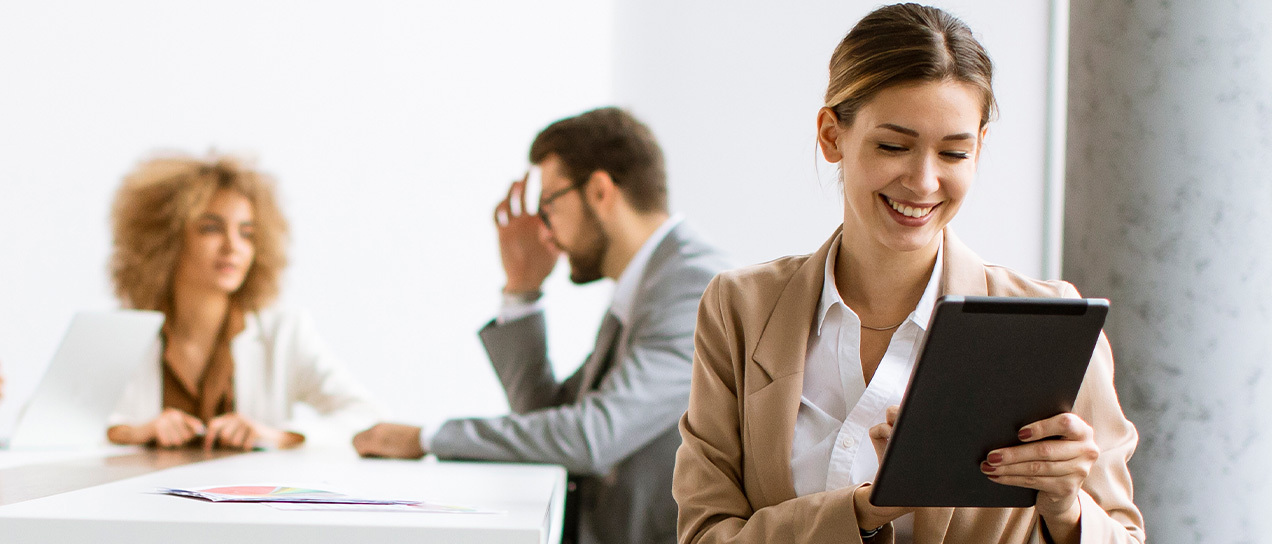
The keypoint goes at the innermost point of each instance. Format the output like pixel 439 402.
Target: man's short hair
pixel 611 140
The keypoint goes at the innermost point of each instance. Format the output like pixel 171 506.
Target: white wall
pixel 394 127
pixel 733 90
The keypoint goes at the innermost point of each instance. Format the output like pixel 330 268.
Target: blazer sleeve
pixel 1109 514
pixel 518 351
pixel 709 483
pixel 315 376
pixel 637 401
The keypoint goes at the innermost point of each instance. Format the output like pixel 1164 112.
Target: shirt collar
pixel 629 280
pixel 922 312
pixel 829 294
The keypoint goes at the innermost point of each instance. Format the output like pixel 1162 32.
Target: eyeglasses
pixel 544 202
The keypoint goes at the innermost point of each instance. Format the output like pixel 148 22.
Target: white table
pixel 527 501
pixel 19 458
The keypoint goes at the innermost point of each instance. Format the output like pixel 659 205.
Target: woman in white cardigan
pixel 203 241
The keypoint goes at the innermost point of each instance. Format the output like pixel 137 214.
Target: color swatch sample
pixel 270 493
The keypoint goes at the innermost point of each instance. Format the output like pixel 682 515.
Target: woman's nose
pixel 233 242
pixel 924 179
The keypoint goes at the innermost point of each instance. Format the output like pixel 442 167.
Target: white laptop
pixel 85 380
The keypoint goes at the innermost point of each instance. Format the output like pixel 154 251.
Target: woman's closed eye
pixel 897 149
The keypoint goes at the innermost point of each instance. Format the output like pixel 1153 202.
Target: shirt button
pixel 846 443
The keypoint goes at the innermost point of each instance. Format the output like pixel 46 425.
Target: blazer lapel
pixel 596 364
pixel 253 378
pixel 775 376
pixel 599 363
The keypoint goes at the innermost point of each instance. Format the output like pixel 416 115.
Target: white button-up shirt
pixel 831 447
pixel 627 283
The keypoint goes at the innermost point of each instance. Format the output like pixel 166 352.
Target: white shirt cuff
pixel 513 309
pixel 427 432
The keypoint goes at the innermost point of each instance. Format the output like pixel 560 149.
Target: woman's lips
pixel 909 214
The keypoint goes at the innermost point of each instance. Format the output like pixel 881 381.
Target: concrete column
pixel 1168 213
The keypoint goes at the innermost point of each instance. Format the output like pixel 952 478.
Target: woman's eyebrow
pixel 915 134
pixel 209 216
pixel 898 128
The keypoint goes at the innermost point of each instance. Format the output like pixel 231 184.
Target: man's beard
pixel 593 244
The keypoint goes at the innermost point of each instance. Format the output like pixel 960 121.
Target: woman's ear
pixel 828 135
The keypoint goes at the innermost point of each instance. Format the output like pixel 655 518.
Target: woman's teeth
pixel 907 210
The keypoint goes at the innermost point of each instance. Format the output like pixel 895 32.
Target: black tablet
pixel 988 366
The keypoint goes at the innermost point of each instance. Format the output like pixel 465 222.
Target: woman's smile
pixel 909 213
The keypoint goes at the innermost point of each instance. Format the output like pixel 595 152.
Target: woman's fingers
pixel 191 424
pixel 213 436
pixel 231 431
pixel 170 433
pixel 174 428
pixel 1066 426
pixel 1054 477
pixel 248 439
pixel 221 432
pixel 237 435
pixel 879 436
pixel 1035 468
pixel 1055 459
pixel 163 437
pixel 1046 450
pixel 881 433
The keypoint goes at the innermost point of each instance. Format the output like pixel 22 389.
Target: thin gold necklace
pixel 864 326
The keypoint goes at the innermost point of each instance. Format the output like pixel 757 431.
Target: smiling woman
pixel 906 163
pixel 203 241
pixel 799 363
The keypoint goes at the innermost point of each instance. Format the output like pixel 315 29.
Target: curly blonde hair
pixel 156 202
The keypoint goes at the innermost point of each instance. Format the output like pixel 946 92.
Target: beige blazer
pixel 733 480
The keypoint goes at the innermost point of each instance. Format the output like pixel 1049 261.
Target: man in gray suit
pixel 612 424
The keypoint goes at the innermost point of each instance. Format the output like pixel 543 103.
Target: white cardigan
pixel 279 360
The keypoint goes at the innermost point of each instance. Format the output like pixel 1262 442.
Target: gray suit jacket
pixel 612 423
